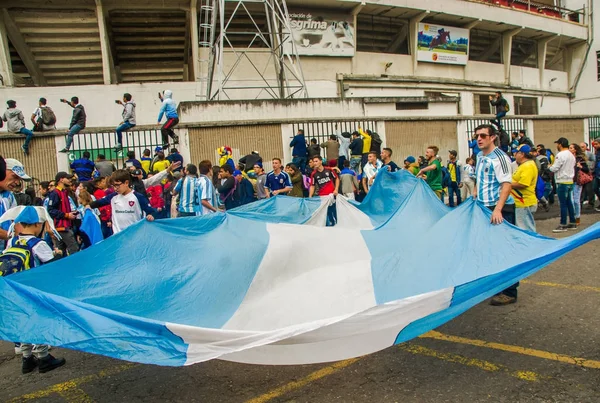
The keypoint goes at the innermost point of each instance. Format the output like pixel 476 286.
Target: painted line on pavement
pixel 528 376
pixel 565 286
pixel 70 389
pixel 322 373
pixel 566 359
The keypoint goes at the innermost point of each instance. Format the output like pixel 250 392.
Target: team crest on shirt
pixel 131 203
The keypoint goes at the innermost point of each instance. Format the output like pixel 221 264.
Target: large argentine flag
pixel 272 285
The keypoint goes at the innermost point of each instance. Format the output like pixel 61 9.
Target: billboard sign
pixel 322 33
pixel 442 44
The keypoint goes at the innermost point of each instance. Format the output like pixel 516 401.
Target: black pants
pixel 508 213
pixel 67 243
pixel 167 130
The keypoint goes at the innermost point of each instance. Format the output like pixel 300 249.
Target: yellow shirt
pixel 366 141
pixel 160 166
pixel 526 174
pixel 452 171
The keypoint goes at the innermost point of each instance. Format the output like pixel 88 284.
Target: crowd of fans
pixel 95 200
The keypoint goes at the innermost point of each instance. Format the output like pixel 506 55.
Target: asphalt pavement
pixel 545 348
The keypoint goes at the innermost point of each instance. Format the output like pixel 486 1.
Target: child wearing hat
pixel 32 221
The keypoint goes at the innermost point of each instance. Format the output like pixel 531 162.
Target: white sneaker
pixel 18 348
pixel 584 203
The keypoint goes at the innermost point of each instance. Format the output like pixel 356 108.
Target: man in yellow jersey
pixel 523 189
pixel 366 147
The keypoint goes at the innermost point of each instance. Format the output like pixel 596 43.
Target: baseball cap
pixel 29 215
pixel 158 149
pixel 525 149
pixel 410 159
pixel 259 164
pixel 563 142
pixel 453 152
pixel 62 175
pixel 237 172
pixel 17 167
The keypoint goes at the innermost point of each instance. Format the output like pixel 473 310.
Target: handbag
pixel 583 178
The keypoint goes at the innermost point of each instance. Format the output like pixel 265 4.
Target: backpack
pixel 446 179
pixel 48 116
pixel 18 257
pixel 545 172
pixel 506 106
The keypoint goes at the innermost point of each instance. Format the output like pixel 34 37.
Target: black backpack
pixel 504 138
pixel 48 116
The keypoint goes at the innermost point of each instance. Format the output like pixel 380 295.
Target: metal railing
pixel 104 143
pixel 549 10
pixel 322 130
pixel 509 125
pixel 594 128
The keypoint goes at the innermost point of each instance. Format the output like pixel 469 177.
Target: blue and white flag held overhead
pixel 264 285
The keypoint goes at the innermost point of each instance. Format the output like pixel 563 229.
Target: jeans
pixel 454 190
pixel 524 218
pixel 467 190
pixel 548 192
pixel 588 193
pixel 509 214
pixel 499 116
pixel 565 198
pixel 341 160
pixel 75 129
pixel 120 129
pixel 300 162
pixel 67 243
pixel 355 163
pixel 577 199
pixel 106 230
pixel 331 215
pixel 597 187
pixel 167 130
pixel 28 136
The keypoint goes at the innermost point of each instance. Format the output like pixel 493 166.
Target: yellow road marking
pixel 470 362
pixel 567 359
pixel 75 395
pixel 323 372
pixel 566 286
pixel 69 388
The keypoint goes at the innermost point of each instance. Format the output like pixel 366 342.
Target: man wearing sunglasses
pixel 493 187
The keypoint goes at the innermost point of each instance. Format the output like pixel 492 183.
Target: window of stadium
pixel 381 34
pixel 526 106
pixel 482 104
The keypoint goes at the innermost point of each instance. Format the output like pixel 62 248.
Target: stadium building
pixel 248 74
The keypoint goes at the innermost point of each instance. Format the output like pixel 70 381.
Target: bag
pixel 48 116
pixel 506 106
pixel 446 179
pixel 545 172
pixel 540 188
pixel 583 178
pixel 18 257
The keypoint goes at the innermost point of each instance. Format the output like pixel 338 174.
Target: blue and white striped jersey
pixel 188 195
pixel 206 191
pixel 492 171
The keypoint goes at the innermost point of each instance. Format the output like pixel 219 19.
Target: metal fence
pixel 509 125
pixel 105 142
pixel 322 130
pixel 594 127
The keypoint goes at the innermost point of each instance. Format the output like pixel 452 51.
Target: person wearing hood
pixel 77 121
pixel 168 108
pixel 299 150
pixel 16 124
pixel 128 118
pixel 411 165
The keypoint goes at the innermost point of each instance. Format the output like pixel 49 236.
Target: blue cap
pixel 237 172
pixel 158 149
pixel 28 215
pixel 525 149
pixel 258 164
pixel 410 159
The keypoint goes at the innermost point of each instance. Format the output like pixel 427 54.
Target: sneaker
pixel 18 348
pixel 578 221
pixel 572 226
pixel 584 203
pixel 560 228
pixel 25 150
pixel 502 299
pixel 118 148
pixel 29 364
pixel 64 150
pixel 48 363
pixel 176 139
pixel 597 209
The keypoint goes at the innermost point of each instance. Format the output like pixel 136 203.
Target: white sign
pixel 322 34
pixel 442 44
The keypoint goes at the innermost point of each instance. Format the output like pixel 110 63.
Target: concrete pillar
pixel 195 65
pixel 5 62
pixel 107 60
pixel 413 37
pixel 507 51
pixel 542 49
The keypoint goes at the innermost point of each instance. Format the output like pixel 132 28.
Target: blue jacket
pixel 299 146
pixel 84 168
pixel 597 166
pixel 168 107
pixel 356 147
pixel 474 146
pixel 175 158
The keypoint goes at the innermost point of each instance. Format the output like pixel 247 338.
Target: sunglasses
pixel 483 135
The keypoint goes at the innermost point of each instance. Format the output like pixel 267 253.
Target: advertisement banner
pixel 322 34
pixel 442 44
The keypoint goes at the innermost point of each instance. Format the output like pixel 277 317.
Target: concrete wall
pixel 41 163
pixel 547 131
pixel 412 138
